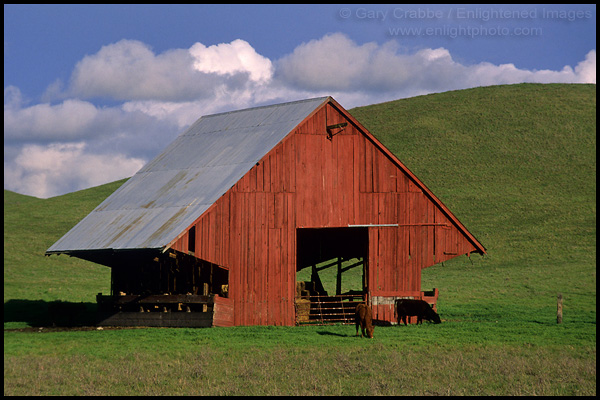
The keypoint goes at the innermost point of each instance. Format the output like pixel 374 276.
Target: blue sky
pixel 92 93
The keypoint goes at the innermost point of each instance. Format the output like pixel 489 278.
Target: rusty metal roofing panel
pixel 170 192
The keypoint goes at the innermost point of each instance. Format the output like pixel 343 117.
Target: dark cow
pixel 364 318
pixel 408 308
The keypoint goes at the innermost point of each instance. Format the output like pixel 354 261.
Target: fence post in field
pixel 559 304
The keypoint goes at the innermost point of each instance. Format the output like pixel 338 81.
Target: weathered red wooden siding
pixel 311 181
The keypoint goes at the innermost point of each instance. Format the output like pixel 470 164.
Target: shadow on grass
pixel 40 313
pixel 327 333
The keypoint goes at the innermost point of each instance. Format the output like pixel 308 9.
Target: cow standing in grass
pixel 419 308
pixel 364 319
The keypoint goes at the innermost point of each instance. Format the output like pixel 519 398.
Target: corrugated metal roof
pixel 170 192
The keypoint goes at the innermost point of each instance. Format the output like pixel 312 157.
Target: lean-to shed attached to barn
pixel 218 227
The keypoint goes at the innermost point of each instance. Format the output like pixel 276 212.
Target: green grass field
pixel 516 164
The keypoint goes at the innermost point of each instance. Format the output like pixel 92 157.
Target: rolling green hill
pixel 516 164
pixel 31 225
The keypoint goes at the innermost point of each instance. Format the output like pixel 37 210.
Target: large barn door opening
pixel 331 274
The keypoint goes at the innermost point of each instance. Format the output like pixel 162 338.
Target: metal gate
pixel 326 310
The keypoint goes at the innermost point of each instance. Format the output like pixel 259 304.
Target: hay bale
pixel 302 310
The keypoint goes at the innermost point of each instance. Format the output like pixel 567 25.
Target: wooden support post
pixel 559 306
pixel 314 277
pixel 338 284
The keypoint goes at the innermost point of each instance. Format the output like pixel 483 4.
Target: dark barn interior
pixel 179 285
pixel 342 251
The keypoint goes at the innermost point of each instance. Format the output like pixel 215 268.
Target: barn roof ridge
pixel 323 98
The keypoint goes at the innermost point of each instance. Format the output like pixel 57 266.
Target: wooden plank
pixel 392 267
pixel 278 173
pixel 234 245
pixel 361 164
pixel 373 282
pixel 393 294
pixel 293 163
pixel 248 294
pixel 338 205
pixel 327 182
pixel 329 174
pixel 301 180
pixel 256 266
pixel 429 260
pixel 156 299
pixel 261 256
pixel 267 179
pixel 243 290
pixel 223 312
pixel 392 172
pixel 157 319
pixel 277 281
pixel 384 250
pixel 356 179
pixel 269 278
pixel 368 168
pixel 392 257
pixel 260 169
pixel 291 262
pixel 315 188
pixel 347 173
pixel 419 239
pixel 222 230
pixel 283 260
pixel 401 182
pixel 254 179
pixel 402 258
pixel 411 241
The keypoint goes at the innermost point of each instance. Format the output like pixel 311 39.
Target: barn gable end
pixel 320 178
pixel 313 170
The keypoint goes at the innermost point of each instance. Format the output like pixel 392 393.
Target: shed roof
pixel 169 193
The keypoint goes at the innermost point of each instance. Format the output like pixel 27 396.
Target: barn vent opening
pixel 331 274
pixel 192 240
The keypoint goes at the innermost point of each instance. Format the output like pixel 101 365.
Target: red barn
pixel 214 230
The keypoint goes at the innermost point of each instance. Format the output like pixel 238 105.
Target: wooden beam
pixel 338 283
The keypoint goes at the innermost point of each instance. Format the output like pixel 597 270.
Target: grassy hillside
pixel 516 164
pixel 31 226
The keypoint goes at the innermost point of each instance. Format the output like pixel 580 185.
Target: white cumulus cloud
pixel 44 121
pixel 585 71
pixel 129 70
pixel 230 58
pixel 46 171
pixel 335 62
pixel 54 148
